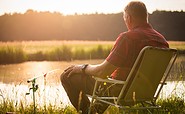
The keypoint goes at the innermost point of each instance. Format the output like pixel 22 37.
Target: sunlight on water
pixel 56 96
pixel 40 67
pixel 14 86
pixel 19 73
pixel 45 95
pixel 173 88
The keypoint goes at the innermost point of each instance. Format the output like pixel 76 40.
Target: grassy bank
pixel 8 106
pixel 16 52
pixel 10 54
pixel 172 105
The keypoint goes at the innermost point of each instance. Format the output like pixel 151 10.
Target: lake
pixel 14 86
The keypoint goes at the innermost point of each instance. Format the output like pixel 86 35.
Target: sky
pixel 68 7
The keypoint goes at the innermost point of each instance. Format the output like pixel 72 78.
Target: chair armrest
pixel 109 80
pixel 164 83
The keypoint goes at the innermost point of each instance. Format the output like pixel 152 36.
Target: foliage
pixel 16 52
pixel 34 25
pixel 10 107
pixel 62 53
pixel 173 105
pixel 10 54
pixel 65 52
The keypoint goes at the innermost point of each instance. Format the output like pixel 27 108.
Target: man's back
pixel 128 46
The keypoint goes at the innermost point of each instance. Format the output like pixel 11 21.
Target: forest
pixel 33 25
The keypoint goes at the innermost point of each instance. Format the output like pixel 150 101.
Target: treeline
pixel 34 25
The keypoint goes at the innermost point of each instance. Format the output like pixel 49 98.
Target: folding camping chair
pixel 144 82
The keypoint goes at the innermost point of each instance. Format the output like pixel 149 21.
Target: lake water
pixel 14 86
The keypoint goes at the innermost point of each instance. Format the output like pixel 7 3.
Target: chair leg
pixel 130 112
pixel 90 107
pixel 149 111
pixel 93 95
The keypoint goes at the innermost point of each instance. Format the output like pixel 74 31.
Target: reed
pixel 16 52
pixel 172 105
pixel 9 54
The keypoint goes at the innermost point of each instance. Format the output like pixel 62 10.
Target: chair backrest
pixel 148 70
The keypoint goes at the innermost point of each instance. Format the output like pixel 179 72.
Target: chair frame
pixel 117 100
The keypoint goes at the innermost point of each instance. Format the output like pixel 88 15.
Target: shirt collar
pixel 146 25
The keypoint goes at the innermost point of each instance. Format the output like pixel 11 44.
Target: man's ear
pixel 129 18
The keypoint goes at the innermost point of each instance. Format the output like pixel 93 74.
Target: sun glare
pixel 62 6
pixel 83 6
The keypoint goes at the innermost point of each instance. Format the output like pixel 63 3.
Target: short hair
pixel 137 10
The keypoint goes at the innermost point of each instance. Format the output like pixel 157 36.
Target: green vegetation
pixel 171 105
pixel 10 54
pixel 8 106
pixel 33 25
pixel 177 44
pixel 15 52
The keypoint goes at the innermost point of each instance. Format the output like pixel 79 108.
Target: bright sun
pixel 83 6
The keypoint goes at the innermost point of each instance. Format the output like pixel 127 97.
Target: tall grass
pixel 172 105
pixel 8 106
pixel 15 52
pixel 66 53
pixel 178 71
pixel 9 101
pixel 63 53
pixel 9 54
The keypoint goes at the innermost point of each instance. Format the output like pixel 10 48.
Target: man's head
pixel 135 13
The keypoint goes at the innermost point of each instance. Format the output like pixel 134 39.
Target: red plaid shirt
pixel 129 44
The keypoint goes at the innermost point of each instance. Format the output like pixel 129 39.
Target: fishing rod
pixel 43 75
pixel 35 86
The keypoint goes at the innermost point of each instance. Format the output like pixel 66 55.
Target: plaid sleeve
pixel 119 51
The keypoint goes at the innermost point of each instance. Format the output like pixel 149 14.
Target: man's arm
pixel 100 70
pixel 117 57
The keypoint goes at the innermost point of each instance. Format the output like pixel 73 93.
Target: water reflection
pixel 19 73
pixel 16 73
pixel 173 88
pixel 14 86
pixel 45 95
pixel 56 96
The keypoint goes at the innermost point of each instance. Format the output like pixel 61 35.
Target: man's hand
pixel 74 69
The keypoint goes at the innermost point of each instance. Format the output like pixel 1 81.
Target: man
pixel 78 78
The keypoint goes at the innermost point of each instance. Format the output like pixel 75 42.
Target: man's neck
pixel 136 24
